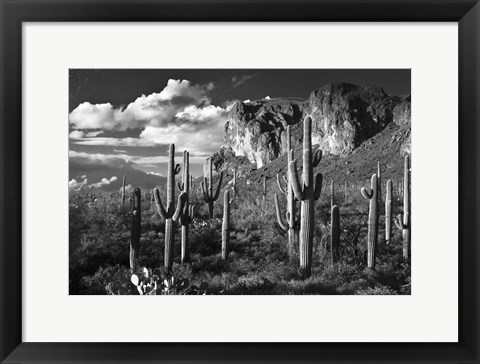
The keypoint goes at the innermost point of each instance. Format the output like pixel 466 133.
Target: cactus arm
pixel 180 186
pixel 158 202
pixel 191 213
pixel 294 180
pixel 317 157
pixel 177 169
pixel 279 183
pixel 399 222
pixel 217 193
pixel 279 215
pixel 180 206
pixel 367 193
pixel 318 186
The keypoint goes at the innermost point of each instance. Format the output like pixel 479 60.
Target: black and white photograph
pixel 239 181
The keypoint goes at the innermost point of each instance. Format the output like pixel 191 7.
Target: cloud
pixel 97 160
pixel 198 130
pixel 266 98
pixel 128 188
pixel 103 182
pixel 156 109
pixel 240 80
pixel 94 133
pixel 74 185
pixel 89 116
pixel 76 134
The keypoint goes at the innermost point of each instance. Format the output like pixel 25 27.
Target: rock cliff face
pixel 344 115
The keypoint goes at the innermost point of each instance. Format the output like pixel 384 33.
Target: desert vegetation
pixel 292 234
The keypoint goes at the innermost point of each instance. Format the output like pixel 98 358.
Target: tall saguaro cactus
pixel 123 190
pixel 226 224
pixel 306 192
pixel 332 191
pixel 136 229
pixel 171 213
pixel 335 233
pixel 388 212
pixel 207 187
pixel 187 214
pixel 379 181
pixel 404 222
pixel 291 223
pixel 372 195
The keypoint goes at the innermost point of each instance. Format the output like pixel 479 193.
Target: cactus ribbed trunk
pixel 335 233
pixel 307 193
pixel 171 213
pixel 136 229
pixel 207 187
pixel 226 224
pixel 379 181
pixel 291 223
pixel 406 209
pixel 332 190
pixel 169 230
pixel 388 212
pixel 185 218
pixel 185 254
pixel 372 195
pixel 210 209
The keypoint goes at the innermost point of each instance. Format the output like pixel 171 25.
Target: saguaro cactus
pixel 388 212
pixel 332 191
pixel 170 214
pixel 123 191
pixel 372 195
pixel 307 193
pixel 187 214
pixel 335 233
pixel 136 229
pixel 226 224
pixel 379 181
pixel 404 222
pixel 291 223
pixel 207 187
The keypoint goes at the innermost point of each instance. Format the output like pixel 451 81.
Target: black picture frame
pixel 14 12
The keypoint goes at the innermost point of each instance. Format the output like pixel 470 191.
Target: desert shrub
pixel 377 290
pixel 97 284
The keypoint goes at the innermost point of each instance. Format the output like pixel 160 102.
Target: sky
pixel 121 121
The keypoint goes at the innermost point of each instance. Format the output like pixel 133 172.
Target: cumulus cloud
pixel 103 182
pixel 76 134
pixel 266 98
pixel 156 109
pixel 74 185
pixel 197 130
pixel 128 188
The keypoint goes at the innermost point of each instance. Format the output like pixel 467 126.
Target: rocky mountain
pixel 344 116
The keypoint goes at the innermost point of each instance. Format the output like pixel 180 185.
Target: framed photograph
pixel 209 181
